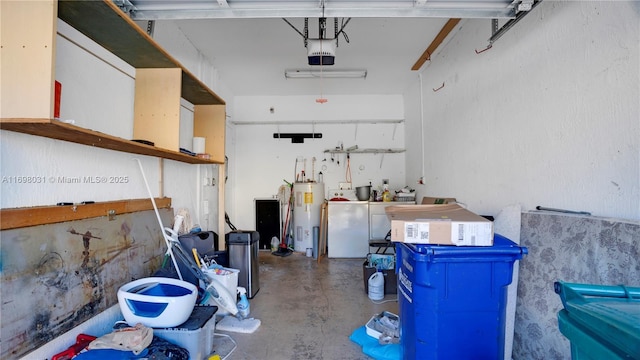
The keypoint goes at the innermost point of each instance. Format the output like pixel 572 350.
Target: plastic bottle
pixel 274 244
pixel 243 304
pixel 386 196
pixel 376 286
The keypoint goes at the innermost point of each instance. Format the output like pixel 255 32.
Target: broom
pixel 282 249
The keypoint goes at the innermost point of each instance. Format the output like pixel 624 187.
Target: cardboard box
pixel 437 200
pixel 448 224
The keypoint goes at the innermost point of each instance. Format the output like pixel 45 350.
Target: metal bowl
pixel 363 193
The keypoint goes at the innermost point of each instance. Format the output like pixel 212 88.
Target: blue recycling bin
pixel 601 321
pixel 452 299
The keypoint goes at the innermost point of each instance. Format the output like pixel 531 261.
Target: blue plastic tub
pixel 452 299
pixel 157 302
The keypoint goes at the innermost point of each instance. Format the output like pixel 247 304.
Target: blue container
pixel 601 321
pixel 585 343
pixel 453 299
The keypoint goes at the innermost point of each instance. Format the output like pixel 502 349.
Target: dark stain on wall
pixel 55 277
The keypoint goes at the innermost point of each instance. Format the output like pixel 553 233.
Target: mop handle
pixel 155 208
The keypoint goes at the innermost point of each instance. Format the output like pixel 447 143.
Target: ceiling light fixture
pixel 325 73
pixel 322 50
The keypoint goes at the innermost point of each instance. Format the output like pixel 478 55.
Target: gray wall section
pixel 569 248
pixel 56 276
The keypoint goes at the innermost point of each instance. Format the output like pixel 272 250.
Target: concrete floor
pixel 308 310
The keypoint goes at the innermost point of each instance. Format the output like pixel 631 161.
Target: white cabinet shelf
pixel 29 32
pixel 28 70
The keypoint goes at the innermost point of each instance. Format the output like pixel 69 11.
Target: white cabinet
pixel 351 224
pixel 348 229
pixel 379 224
pixel 28 70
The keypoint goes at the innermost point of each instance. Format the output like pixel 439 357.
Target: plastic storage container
pixel 157 301
pixel 602 322
pixel 369 267
pixel 228 278
pixel 206 242
pixel 453 299
pixel 195 335
pixel 203 241
pixel 390 279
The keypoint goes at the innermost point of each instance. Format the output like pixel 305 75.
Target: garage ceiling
pixel 251 45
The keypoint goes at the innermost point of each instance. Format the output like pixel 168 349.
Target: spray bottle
pixel 243 304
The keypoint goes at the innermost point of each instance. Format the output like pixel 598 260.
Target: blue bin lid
pixel 502 249
pixel 611 312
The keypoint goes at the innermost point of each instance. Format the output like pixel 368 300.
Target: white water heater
pixel 308 198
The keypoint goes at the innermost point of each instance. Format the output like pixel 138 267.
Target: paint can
pixel 309 252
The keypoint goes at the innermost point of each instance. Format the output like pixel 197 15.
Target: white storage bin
pixel 195 335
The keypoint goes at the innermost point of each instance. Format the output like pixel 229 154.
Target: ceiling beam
pixel 426 55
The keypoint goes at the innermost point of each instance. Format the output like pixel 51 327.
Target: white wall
pixel 262 163
pixel 171 38
pixel 549 116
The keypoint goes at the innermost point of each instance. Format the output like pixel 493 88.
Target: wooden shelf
pixel 107 25
pixel 365 151
pixel 42 215
pixel 62 131
pixel 29 106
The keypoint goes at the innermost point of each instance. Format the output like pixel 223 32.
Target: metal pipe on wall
pixel 161 177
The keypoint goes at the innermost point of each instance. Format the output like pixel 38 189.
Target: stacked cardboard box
pixel 447 224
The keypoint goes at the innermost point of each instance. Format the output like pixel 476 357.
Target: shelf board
pixel 110 27
pixel 41 215
pixel 55 129
pixel 365 151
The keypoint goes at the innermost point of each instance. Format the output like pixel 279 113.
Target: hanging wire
pixel 321 99
pixel 322 27
pixel 321 52
pixel 348 174
pixel 335 30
